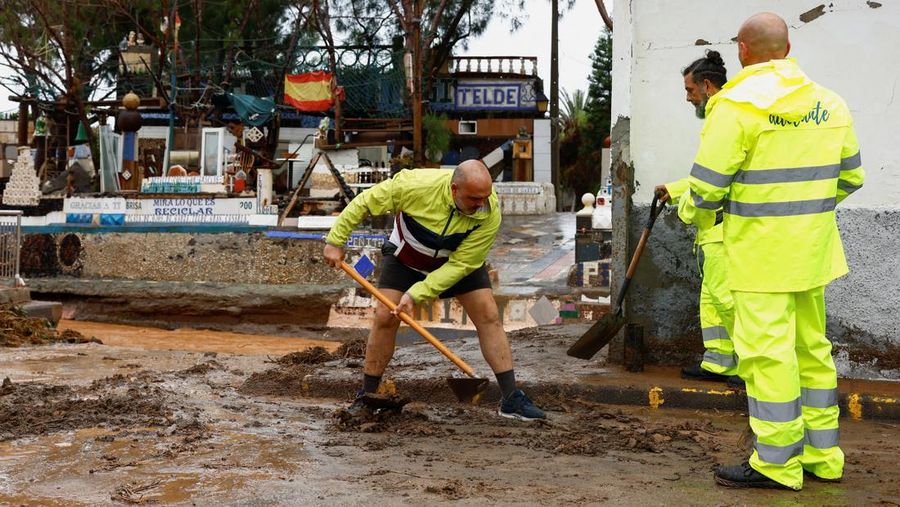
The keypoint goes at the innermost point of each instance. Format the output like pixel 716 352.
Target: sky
pixel 579 29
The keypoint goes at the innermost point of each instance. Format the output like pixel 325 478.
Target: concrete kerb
pixel 874 400
pixel 14 295
pixel 557 381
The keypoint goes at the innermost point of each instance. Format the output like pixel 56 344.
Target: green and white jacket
pixel 430 234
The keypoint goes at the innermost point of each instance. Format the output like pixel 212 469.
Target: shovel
pixel 605 329
pixel 467 390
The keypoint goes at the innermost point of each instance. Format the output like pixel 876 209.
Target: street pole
pixel 173 92
pixel 554 104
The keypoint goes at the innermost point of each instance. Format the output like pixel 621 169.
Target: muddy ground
pixel 17 328
pixel 95 424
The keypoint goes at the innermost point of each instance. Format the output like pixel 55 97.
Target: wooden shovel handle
pixel 409 321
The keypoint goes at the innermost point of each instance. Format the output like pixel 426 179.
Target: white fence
pixel 10 243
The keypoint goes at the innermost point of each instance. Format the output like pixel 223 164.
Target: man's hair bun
pixel 715 58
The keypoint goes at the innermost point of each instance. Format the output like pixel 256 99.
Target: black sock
pixel 507 381
pixel 370 383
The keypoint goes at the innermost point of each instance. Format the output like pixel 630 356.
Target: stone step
pixel 50 310
pixel 14 295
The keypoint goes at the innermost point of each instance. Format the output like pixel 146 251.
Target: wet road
pixel 218 445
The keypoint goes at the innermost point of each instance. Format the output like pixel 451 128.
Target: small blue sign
pixel 364 266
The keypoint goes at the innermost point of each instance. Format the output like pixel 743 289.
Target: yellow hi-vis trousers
pixel 716 310
pixel 791 384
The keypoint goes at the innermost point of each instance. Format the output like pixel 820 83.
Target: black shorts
pixel 396 275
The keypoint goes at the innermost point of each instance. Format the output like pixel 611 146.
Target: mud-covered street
pixel 93 424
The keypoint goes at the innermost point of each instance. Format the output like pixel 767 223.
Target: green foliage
pixel 375 22
pixel 573 114
pixel 437 136
pixel 49 48
pixel 52 48
pixel 587 123
pixel 599 106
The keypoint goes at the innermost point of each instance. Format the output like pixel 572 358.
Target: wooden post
pixel 22 128
pixel 418 152
pixel 554 104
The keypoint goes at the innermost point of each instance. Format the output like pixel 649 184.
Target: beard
pixel 700 109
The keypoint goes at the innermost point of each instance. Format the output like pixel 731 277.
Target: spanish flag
pixel 311 92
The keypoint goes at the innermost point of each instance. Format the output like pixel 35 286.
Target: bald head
pixel 471 186
pixel 471 170
pixel 763 37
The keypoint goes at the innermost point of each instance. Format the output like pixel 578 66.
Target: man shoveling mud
pixel 445 225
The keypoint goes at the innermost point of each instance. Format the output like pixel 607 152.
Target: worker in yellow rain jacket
pixel 777 153
pixel 702 79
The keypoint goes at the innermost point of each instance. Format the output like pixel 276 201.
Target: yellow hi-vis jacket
pixel 777 153
pixel 679 195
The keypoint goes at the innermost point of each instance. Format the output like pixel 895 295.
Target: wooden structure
pixel 345 195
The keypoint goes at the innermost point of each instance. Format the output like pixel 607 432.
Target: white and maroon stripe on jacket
pixel 412 252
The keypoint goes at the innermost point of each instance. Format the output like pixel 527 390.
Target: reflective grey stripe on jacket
pixel 780 209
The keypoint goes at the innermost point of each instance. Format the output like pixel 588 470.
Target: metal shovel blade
pixel 600 334
pixel 468 390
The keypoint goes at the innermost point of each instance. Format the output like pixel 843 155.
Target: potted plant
pixel 437 136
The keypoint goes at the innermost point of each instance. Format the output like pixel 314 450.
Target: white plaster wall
pixel 852 49
pixel 541 151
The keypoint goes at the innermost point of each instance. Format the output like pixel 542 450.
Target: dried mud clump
pixel 35 409
pixel 202 368
pixel 355 348
pixel 314 355
pixel 597 433
pixel 18 329
pixel 380 421
pixel 280 381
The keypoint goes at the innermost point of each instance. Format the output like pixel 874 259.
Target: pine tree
pixel 600 90
pixel 580 150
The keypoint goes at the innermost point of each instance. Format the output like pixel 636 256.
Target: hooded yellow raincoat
pixel 777 153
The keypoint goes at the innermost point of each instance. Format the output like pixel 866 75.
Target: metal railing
pixel 10 245
pixel 523 65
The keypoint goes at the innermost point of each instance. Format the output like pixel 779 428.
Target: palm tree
pixel 574 111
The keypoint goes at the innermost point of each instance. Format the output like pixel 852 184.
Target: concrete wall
pixel 250 258
pixel 846 45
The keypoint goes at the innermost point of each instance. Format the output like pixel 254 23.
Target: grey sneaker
pixel 518 406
